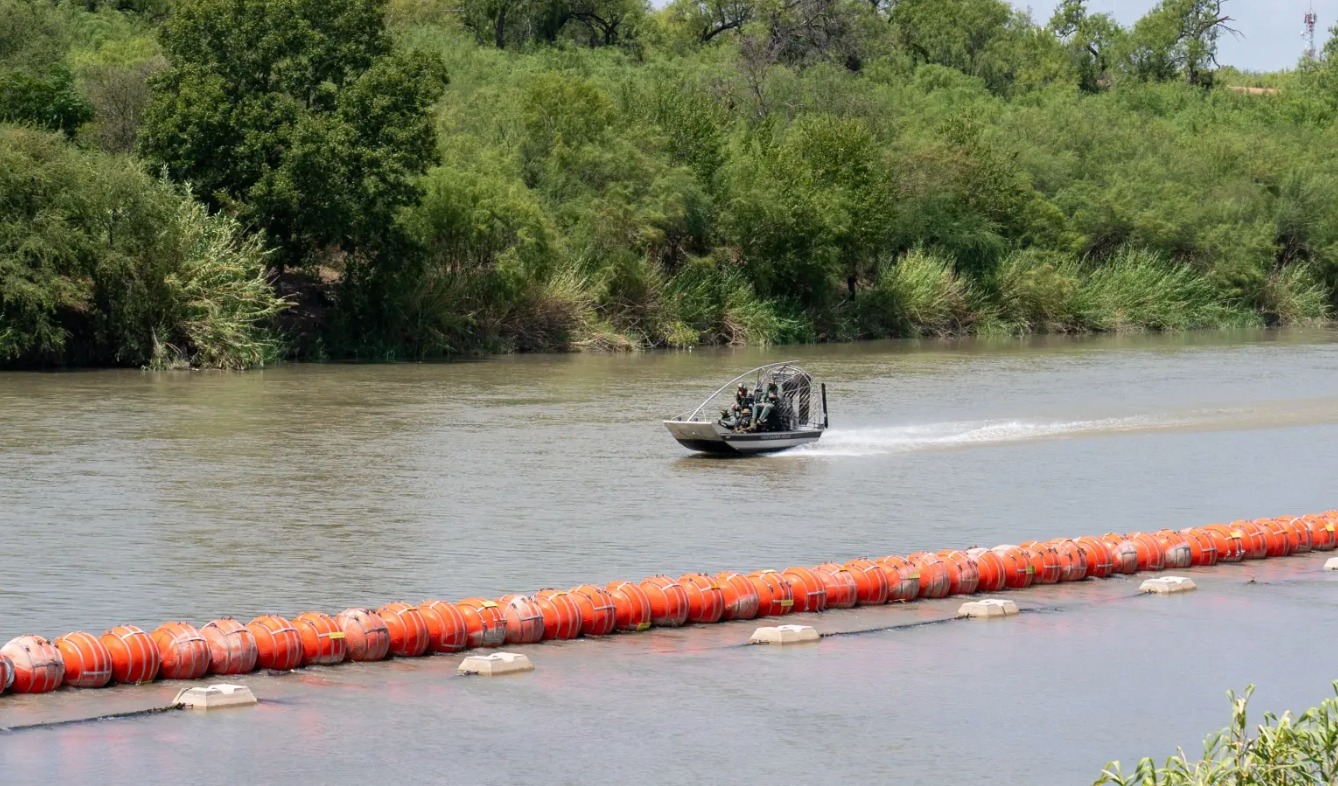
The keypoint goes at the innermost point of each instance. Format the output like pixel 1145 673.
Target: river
pixel 136 497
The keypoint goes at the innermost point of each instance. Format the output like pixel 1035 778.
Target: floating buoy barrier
pixel 808 591
pixel 485 622
pixel 366 637
pixel 447 630
pixel 232 648
pixel 178 650
pixel 134 655
pixel 741 599
pixel 870 581
pixel 37 666
pixel 706 603
pixel 6 672
pixel 903 578
pixel 775 595
pixel 631 606
pixel 407 628
pixel 87 662
pixel 562 617
pixel 322 639
pixel 524 621
pixel 668 601
pixel 599 615
pixel 182 650
pixel 842 590
pixel 278 644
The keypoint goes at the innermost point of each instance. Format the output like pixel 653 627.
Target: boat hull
pixel 713 438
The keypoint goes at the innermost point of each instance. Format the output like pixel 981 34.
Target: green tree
pixel 1093 41
pixel 1177 39
pixel 297 114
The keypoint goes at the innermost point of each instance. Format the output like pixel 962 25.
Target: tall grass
pixel 919 293
pixel 1141 290
pixel 1283 750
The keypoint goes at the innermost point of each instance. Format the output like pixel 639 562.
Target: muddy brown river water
pixel 134 497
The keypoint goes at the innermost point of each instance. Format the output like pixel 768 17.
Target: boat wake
pixel 904 439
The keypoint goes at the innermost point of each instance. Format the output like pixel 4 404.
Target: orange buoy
pixel 1044 562
pixel 1202 547
pixel 964 574
pixel 599 615
pixel 1252 539
pixel 1229 542
pixel 1322 536
pixel 706 602
pixel 278 644
pixel 741 599
pixel 1123 553
pixel 366 637
pixel 990 566
pixel 668 601
pixel 322 639
pixel 842 590
pixel 809 591
pixel 446 628
pixel 631 604
pixel 903 578
pixel 1072 559
pixel 1305 542
pixel 935 578
pixel 1281 536
pixel 182 650
pixel 1151 554
pixel 87 662
pixel 1019 570
pixel 407 628
pixel 524 620
pixel 37 666
pixel 1100 565
pixel 6 672
pixel 134 654
pixel 484 621
pixel 562 616
pixel 232 647
pixel 1176 548
pixel 870 581
pixel 774 593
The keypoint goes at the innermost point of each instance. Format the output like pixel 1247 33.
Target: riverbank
pixel 650 186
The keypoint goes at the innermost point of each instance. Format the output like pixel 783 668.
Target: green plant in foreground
pixel 1283 751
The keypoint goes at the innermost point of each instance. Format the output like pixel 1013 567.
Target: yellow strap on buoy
pixel 339 634
pixel 785 604
pixel 643 626
pixel 487 604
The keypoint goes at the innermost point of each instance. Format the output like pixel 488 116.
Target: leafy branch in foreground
pixel 1283 750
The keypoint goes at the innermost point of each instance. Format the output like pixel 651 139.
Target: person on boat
pixel 768 414
pixel 744 419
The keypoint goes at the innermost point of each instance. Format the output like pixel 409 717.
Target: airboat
pixel 715 426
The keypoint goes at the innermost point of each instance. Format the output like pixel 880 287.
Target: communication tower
pixel 1310 20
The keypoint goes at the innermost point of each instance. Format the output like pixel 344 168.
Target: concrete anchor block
pixel 988 608
pixel 214 697
pixel 1167 585
pixel 1331 563
pixel 785 634
pixel 496 664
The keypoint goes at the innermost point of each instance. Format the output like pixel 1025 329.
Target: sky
pixel 1271 30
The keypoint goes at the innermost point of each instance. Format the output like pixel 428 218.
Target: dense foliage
pixel 605 174
pixel 1301 749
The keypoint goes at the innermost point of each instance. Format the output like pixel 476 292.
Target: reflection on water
pixel 139 497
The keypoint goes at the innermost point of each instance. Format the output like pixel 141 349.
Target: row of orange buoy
pixel 180 651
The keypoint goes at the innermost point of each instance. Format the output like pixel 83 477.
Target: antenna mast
pixel 1309 35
